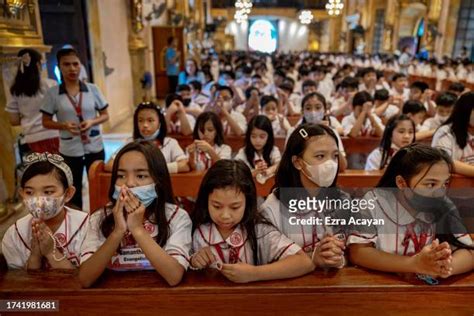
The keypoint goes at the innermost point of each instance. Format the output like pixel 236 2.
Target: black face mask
pixel 427 204
pixel 186 102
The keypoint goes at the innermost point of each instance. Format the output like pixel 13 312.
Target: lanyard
pixel 77 105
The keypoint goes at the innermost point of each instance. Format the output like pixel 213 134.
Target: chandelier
pixel 334 7
pixel 243 8
pixel 306 17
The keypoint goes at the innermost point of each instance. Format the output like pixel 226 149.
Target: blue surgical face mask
pixel 145 193
pixel 153 136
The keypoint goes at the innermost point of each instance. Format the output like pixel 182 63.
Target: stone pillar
pixel 442 28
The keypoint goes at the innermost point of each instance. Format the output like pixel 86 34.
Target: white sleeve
pixel 12 105
pixel 347 125
pixel 179 242
pixel 94 237
pixel 273 245
pixel 241 156
pixel 225 152
pixel 275 156
pixel 176 152
pixel 11 249
pixel 191 121
pixel 240 120
pixel 335 123
pixel 374 160
pixel 444 140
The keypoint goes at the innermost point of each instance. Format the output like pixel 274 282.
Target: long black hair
pixel 149 106
pixel 261 122
pixel 408 162
pixel 287 176
pixel 201 121
pixel 460 118
pixel 156 212
pixel 386 143
pixel 28 82
pixel 227 173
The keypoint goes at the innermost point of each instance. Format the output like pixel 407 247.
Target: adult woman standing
pixel 80 108
pixel 27 91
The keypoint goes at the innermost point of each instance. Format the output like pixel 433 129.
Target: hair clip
pixel 303 133
pixel 54 159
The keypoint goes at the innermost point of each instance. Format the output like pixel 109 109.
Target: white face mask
pixel 441 118
pixel 44 207
pixel 323 174
pixel 314 117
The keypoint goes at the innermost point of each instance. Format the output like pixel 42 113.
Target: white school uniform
pixel 130 256
pixel 176 127
pixel 445 139
pixel 375 158
pixel 401 233
pixel 204 161
pixel 16 244
pixel 333 123
pixel 200 100
pixel 430 124
pixel 276 126
pixel 305 236
pixel 272 244
pixel 275 156
pixel 239 118
pixel 391 110
pixel 405 94
pixel 366 130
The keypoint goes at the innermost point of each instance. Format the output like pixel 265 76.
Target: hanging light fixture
pixel 334 7
pixel 243 9
pixel 306 17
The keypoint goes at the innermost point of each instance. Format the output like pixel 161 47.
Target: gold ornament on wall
pixel 137 15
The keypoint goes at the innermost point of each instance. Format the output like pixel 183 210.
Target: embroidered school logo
pixel 61 238
pixel 150 228
pixel 235 239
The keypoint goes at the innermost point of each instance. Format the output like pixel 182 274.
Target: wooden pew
pixel 351 145
pixel 431 81
pixel 187 184
pixel 349 291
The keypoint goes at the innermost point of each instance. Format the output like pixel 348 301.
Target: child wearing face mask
pixel 177 119
pixel 269 108
pixel 192 98
pixel 444 106
pixel 456 135
pixel 399 132
pixel 230 235
pixel 314 110
pixel 149 124
pixel 208 146
pixel 142 228
pixel 259 152
pixel 50 236
pixel 422 231
pixel 309 169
